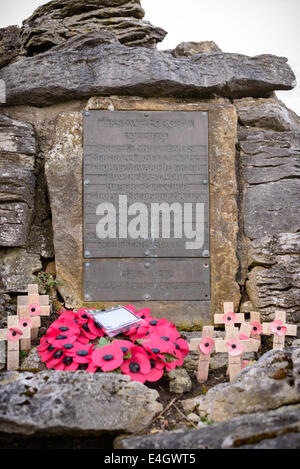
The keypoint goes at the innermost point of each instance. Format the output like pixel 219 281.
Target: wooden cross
pixel 280 329
pixel 204 358
pixel 235 361
pixel 14 330
pixel 229 308
pixel 255 318
pixel 36 306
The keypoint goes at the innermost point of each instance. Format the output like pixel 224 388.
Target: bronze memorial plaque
pixel 146 206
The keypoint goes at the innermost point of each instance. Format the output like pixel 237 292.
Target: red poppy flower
pixel 143 313
pixel 25 322
pixel 108 358
pixel 81 353
pixel 256 328
pixel 234 347
pixel 167 333
pixel 125 345
pixel 55 359
pixel 67 364
pixel 229 318
pixel 278 328
pixel 156 346
pixel 95 328
pixel 59 338
pixel 65 326
pixel 66 314
pixel 43 344
pixel 156 372
pixel 138 366
pixel 14 334
pixel 82 316
pixel 46 352
pixel 182 346
pixel 34 309
pixel 206 345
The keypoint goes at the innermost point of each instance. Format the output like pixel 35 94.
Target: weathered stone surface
pixel 57 21
pixel 16 203
pixel 9 44
pixel 17 181
pixel 273 281
pixel 266 385
pixel 187 49
pixel 66 73
pixel 17 269
pixel 16 136
pixel 68 403
pixel 267 114
pixel 33 361
pixel 270 169
pixel 278 429
pixel 2 355
pixel 64 163
pixel 180 381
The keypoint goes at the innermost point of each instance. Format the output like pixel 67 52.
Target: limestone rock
pixel 57 21
pixel 17 268
pixel 278 429
pixel 273 281
pixel 266 385
pixel 180 381
pixel 9 44
pixel 187 49
pixel 267 114
pixel 270 169
pixel 2 355
pixel 17 181
pixel 32 361
pixel 74 403
pixel 16 136
pixel 65 73
pixel 64 163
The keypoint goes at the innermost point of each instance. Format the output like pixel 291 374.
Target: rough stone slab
pixel 74 403
pixel 57 21
pixel 2 355
pixel 269 430
pixel 17 269
pixel 187 49
pixel 66 73
pixel 273 281
pixel 9 44
pixel 16 136
pixel 17 192
pixel 266 385
pixel 270 169
pixel 268 113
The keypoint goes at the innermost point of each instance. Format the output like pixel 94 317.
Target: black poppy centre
pixel 134 367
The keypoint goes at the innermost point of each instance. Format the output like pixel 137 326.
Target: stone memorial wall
pixel 93 111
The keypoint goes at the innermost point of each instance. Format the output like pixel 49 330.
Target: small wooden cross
pixel 35 305
pixel 255 318
pixel 232 345
pixel 204 358
pixel 12 335
pixel 279 329
pixel 236 318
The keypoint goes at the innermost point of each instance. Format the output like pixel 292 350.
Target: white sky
pixel 249 27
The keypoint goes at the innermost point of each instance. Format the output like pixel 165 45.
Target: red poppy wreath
pixel 76 342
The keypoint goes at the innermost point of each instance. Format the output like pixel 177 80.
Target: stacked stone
pixel 68 52
pixel 57 21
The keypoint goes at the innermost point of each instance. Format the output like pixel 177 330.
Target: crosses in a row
pixel 23 327
pixel 238 341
